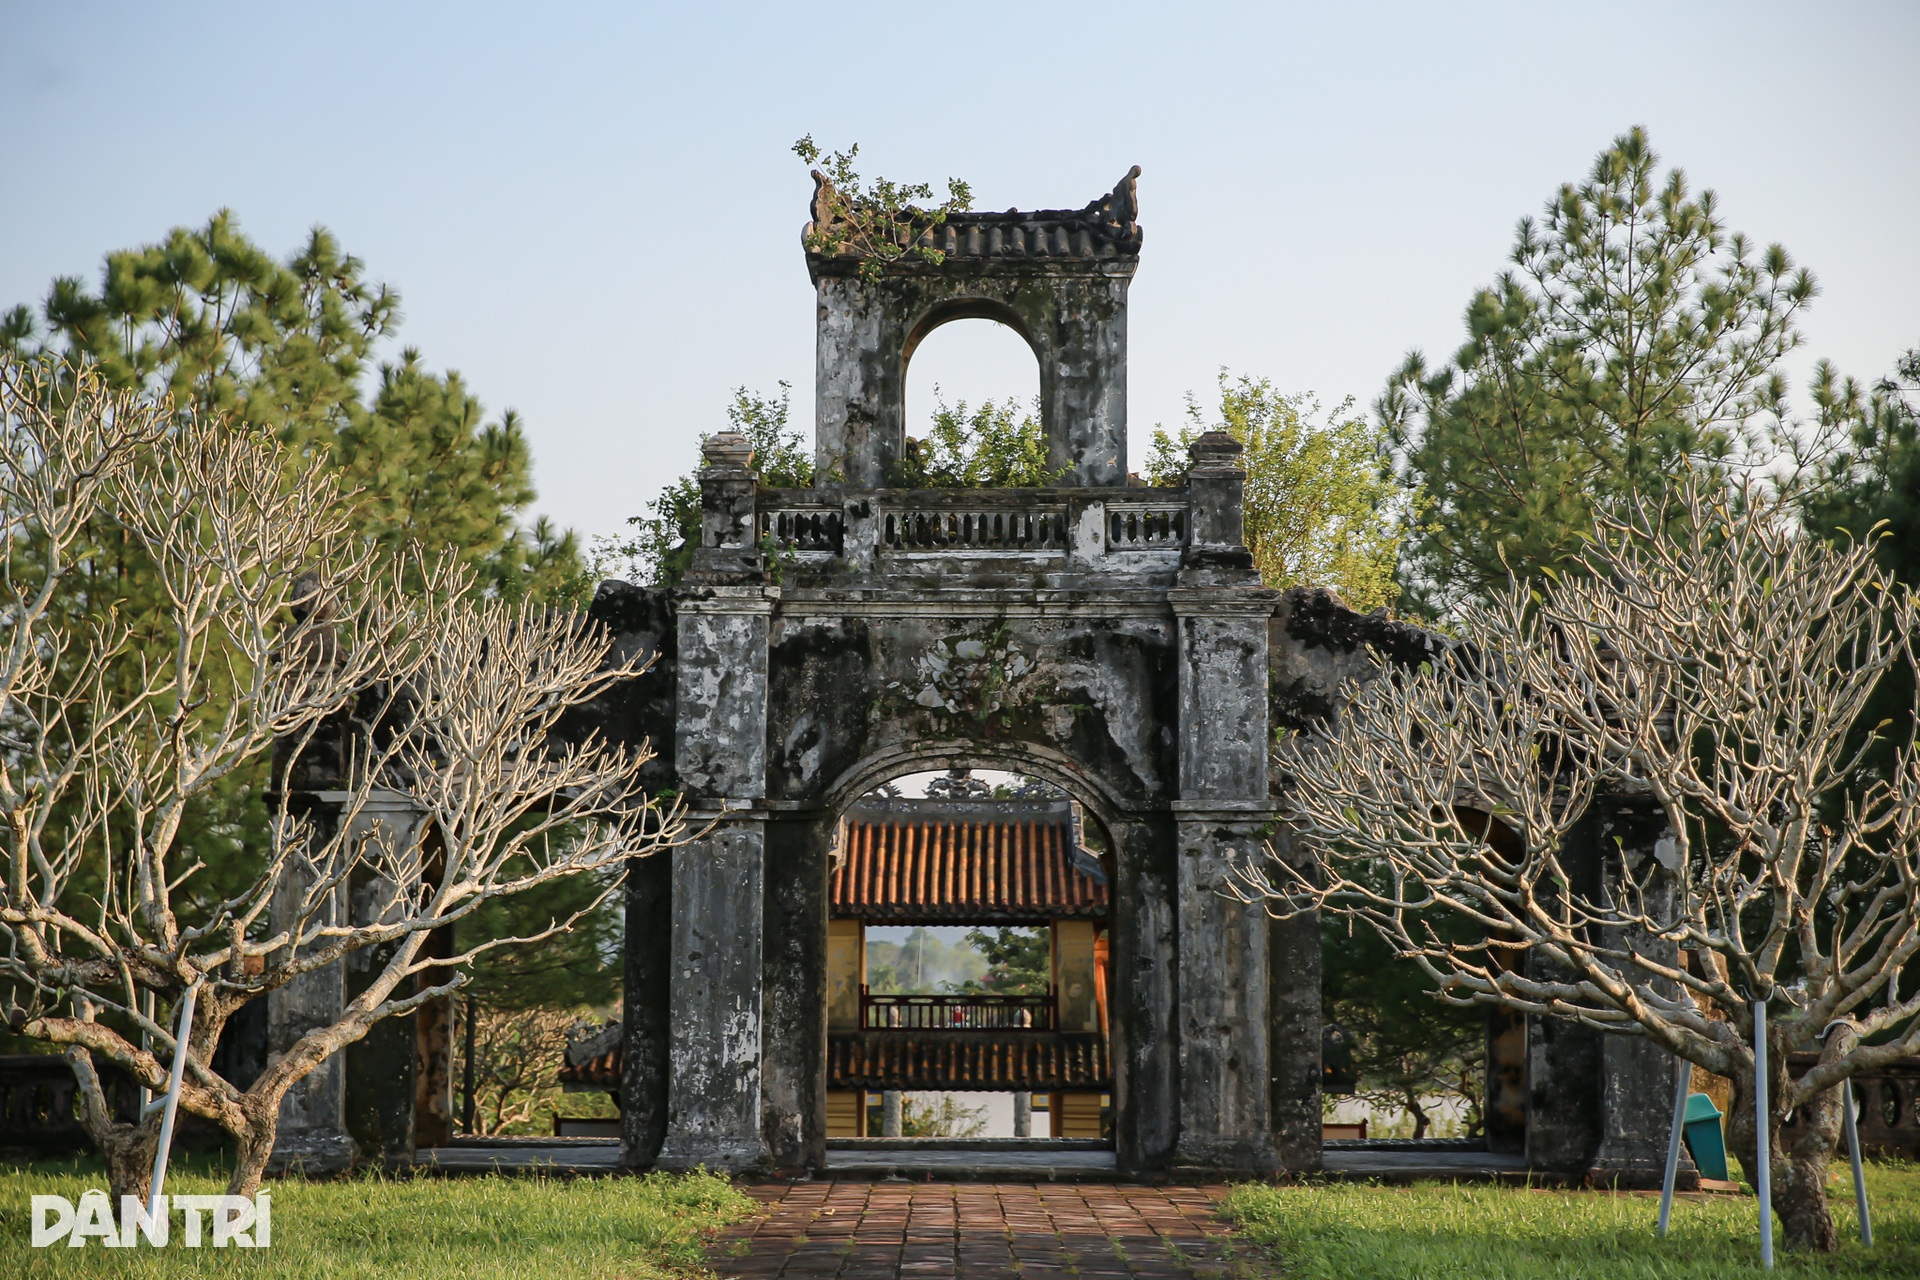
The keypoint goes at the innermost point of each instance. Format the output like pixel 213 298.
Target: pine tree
pixel 218 324
pixel 215 321
pixel 1633 338
pixel 1871 488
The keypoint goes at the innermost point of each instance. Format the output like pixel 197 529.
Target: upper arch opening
pixel 971 354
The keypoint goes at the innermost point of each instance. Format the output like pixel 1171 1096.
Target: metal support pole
pixel 172 1101
pixel 1849 1109
pixel 1850 1104
pixel 1682 1078
pixel 466 1072
pixel 146 1045
pixel 1764 1181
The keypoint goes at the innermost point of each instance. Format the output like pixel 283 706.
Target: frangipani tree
pixel 1712 659
pixel 432 701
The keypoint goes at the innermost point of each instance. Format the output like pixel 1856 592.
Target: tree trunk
pixel 128 1150
pixel 1799 1171
pixel 253 1145
pixel 1420 1120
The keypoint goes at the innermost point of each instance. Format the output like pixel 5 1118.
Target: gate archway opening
pixel 968 359
pixel 969 965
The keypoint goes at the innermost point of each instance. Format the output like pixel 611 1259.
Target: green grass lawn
pixel 1436 1231
pixel 421 1228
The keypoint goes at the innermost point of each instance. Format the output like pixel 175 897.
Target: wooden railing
pixel 970 1012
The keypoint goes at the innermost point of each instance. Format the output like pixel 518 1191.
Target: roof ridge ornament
pixel 1119 208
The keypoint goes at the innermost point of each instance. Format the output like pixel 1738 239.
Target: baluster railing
pixel 966 1012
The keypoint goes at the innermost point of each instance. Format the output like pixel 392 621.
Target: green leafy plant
pixel 658 550
pixel 877 223
pixel 939 1116
pixel 1321 508
pixel 1019 961
pixel 993 446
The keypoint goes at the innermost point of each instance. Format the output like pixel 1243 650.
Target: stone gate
pixel 1109 638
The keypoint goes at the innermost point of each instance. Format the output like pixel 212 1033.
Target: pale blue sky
pixel 590 210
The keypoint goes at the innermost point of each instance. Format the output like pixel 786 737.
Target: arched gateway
pixel 1110 638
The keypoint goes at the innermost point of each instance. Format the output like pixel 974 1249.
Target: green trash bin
pixel 1704 1139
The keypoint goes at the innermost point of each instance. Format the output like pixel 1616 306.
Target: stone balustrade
pixel 878 530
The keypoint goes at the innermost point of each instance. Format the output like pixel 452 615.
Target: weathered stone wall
pixel 1146 1034
pixel 312 1134
pixel 1294 974
pixel 794 951
pixel 1074 318
pixel 1058 278
pixel 641 712
pixel 1086 681
pixel 716 978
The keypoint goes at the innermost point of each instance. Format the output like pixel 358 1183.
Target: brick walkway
pixel 892 1230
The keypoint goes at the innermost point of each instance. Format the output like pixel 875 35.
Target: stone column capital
pixel 1222 601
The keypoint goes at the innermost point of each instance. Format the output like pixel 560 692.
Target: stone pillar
pixel 1294 1048
pixel 1504 1106
pixel 1022 1115
pixel 1144 999
pixel 858 389
pixel 1636 1075
pixel 1073 976
pixel 433 1122
pixel 360 1100
pixel 1563 1093
pixel 805 974
pixel 846 973
pixel 728 494
pixel 1599 1104
pixel 1221 818
pixel 312 1135
pixel 717 1003
pixel 646 1013
pixel 714 1041
pixel 1224 1074
pixel 1084 380
pixel 1216 553
pixel 1563 1058
pixel 892 1113
pixel 381 1066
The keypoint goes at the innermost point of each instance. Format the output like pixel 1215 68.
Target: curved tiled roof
pixel 1106 228
pixel 975 862
pixel 600 1072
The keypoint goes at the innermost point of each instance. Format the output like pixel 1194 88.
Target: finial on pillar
pixel 729 492
pixel 1216 552
pixel 1215 448
pixel 726 450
